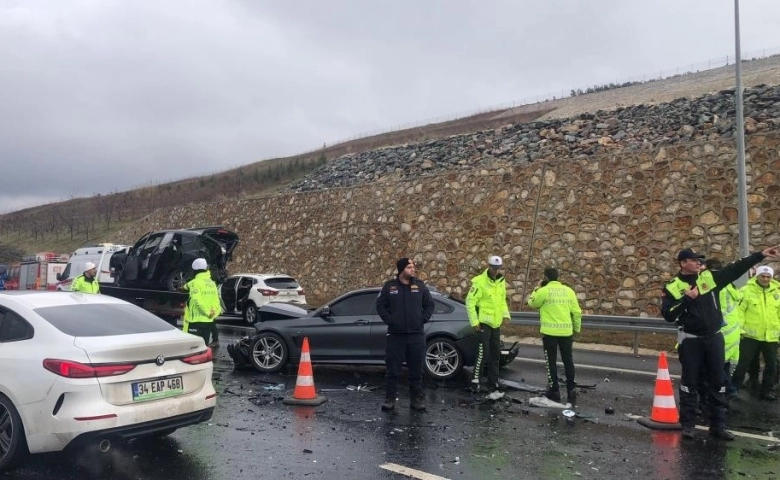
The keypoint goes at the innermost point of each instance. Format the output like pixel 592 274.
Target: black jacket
pixel 701 316
pixel 405 308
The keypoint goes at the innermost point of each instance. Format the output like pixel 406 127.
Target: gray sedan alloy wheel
pixel 269 352
pixel 443 360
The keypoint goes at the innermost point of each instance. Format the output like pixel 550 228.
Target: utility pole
pixel 744 240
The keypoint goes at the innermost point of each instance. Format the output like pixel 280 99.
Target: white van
pixel 99 254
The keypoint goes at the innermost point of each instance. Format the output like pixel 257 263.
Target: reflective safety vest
pixel 761 309
pixel 559 310
pixel 81 284
pixel 730 299
pixel 203 305
pixel 486 301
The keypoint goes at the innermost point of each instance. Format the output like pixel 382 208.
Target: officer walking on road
pixel 405 305
pixel 690 301
pixel 86 282
pixel 560 317
pixel 488 311
pixel 203 305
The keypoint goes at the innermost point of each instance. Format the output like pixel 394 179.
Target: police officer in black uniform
pixel 691 301
pixel 405 304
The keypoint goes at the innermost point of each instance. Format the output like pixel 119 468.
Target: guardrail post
pixel 636 343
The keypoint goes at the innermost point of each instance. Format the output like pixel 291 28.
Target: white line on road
pixel 745 434
pixel 597 367
pixel 410 472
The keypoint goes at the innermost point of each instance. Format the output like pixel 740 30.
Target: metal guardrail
pixel 636 325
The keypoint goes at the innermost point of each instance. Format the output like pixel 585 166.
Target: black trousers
pixel 749 350
pixel 409 347
pixel 551 346
pixel 488 354
pixel 702 356
pixel 202 329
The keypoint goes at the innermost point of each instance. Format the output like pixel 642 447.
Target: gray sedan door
pixel 344 331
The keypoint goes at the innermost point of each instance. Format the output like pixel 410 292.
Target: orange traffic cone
pixel 664 415
pixel 304 393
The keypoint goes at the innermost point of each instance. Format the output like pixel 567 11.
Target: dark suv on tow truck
pixel 162 260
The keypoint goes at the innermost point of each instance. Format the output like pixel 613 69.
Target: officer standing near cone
pixel 405 305
pixel 690 301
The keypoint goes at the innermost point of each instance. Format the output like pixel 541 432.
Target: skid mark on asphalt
pixel 410 472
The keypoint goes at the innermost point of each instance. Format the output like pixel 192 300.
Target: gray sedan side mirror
pixel 325 312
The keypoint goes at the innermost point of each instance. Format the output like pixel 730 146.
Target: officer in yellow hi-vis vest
pixel 487 310
pixel 203 305
pixel 86 282
pixel 690 301
pixel 761 329
pixel 560 317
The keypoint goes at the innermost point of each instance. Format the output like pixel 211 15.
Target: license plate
pixel 153 389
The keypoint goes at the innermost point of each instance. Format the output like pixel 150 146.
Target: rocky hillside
pixel 644 126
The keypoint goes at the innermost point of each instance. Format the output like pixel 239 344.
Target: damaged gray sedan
pixel 348 330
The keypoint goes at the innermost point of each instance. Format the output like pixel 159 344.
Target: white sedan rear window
pixel 101 320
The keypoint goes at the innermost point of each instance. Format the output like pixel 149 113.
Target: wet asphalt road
pixel 462 435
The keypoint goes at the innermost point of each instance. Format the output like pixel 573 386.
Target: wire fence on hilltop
pixel 537 102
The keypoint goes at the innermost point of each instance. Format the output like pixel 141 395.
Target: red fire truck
pixel 38 271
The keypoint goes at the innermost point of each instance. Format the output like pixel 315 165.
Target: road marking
pixel 765 438
pixel 410 472
pixel 599 367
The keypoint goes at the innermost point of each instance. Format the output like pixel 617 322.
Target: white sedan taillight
pixel 71 369
pixel 203 357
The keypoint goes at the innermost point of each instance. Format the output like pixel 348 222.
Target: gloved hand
pixel 477 328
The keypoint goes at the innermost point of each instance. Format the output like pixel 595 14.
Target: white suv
pixel 244 293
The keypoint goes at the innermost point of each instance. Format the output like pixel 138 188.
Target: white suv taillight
pixel 267 293
pixel 71 369
pixel 300 292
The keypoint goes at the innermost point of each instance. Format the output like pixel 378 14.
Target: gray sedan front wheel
pixel 443 360
pixel 269 352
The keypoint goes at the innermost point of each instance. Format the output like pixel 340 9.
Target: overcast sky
pixel 108 95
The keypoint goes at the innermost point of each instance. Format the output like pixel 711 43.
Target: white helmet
pixel 200 264
pixel 495 261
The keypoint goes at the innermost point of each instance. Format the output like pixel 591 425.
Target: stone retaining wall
pixel 611 223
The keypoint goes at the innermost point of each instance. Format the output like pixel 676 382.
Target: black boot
pixel 571 394
pixel 417 402
pixel 553 394
pixel 389 404
pixel 721 433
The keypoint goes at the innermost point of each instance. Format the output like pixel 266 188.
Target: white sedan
pixel 79 369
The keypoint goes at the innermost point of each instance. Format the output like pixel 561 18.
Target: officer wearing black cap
pixel 405 305
pixel 691 301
